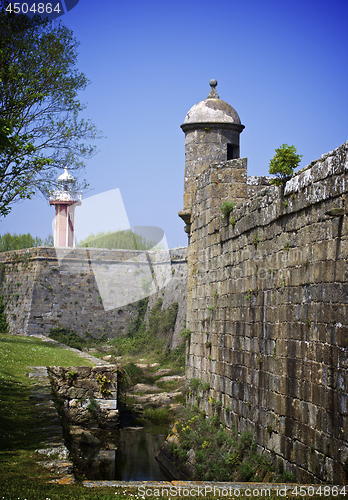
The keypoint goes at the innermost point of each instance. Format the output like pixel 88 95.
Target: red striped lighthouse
pixel 65 198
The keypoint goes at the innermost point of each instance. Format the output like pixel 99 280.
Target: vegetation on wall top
pixel 283 164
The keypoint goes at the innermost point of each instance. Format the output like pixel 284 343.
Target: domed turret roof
pixel 212 110
pixel 65 176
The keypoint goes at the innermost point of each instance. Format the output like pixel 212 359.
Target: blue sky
pixel 282 65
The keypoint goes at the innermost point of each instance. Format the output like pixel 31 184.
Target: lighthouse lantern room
pixel 65 198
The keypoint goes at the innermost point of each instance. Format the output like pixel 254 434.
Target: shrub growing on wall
pixel 283 164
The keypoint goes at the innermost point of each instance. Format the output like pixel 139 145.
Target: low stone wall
pixel 86 396
pixel 88 290
pixel 174 467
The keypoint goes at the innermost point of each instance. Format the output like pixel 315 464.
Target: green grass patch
pixel 22 478
pixel 17 415
pixel 17 353
pixel 158 416
pixel 169 385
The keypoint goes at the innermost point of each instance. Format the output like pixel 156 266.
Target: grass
pixel 17 353
pixel 17 413
pixel 169 385
pixel 158 416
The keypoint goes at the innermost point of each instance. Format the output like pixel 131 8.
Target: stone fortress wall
pixel 267 295
pixel 88 290
pixel 267 309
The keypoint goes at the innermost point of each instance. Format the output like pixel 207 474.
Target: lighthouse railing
pixel 65 196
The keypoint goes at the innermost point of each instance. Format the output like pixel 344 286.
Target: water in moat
pixel 129 455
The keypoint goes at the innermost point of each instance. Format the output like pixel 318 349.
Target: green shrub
pixel 283 164
pixel 220 454
pixel 205 386
pixel 158 416
pixel 71 375
pixel 195 383
pixel 226 208
pixel 93 405
pixel 186 334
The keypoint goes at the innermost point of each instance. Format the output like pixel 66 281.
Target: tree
pixel 40 131
pixel 283 164
pixel 15 241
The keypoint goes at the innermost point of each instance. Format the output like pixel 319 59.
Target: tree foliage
pixel 283 163
pixel 40 130
pixel 15 241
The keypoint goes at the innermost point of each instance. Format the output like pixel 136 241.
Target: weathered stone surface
pixel 83 436
pixel 87 401
pixel 267 310
pixel 45 288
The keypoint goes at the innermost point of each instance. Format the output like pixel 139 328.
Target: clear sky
pixel 281 64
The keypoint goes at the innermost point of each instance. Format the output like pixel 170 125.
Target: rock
pixel 145 388
pixel 88 384
pixel 157 399
pixel 83 436
pixel 138 407
pixel 147 365
pixel 74 403
pixel 107 358
pixel 76 393
pixel 83 371
pixel 61 452
pixel 79 416
pixel 88 438
pixel 163 371
pixel 57 370
pixel 171 377
pixel 112 414
pixel 335 212
pixel 175 406
pixel 165 397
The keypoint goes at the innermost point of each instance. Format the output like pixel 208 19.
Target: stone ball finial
pixel 213 94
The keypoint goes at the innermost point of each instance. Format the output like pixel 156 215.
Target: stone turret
pixel 212 128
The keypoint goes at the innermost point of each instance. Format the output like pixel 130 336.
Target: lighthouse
pixel 65 198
